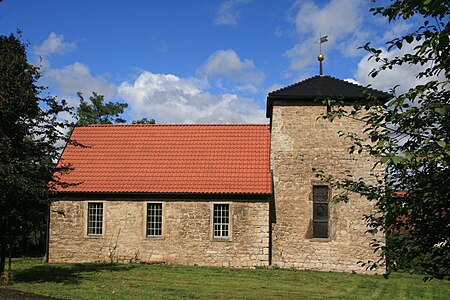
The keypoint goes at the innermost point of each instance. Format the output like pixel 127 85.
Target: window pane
pixel 320 230
pixel 320 211
pixel 95 218
pixel 154 219
pixel 320 194
pixel 221 220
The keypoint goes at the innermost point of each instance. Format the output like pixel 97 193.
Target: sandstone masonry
pixel 301 144
pixel 187 237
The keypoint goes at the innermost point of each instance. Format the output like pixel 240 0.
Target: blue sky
pixel 197 61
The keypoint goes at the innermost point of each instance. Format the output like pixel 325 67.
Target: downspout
pixel 271 197
pixel 47 239
pixel 272 217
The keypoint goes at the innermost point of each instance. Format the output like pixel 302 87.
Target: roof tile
pixel 226 159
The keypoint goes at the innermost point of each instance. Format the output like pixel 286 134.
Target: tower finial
pixel 320 57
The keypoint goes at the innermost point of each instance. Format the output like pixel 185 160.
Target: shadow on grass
pixel 66 274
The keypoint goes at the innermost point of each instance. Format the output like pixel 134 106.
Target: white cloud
pixel 397 29
pixel 341 20
pixel 226 63
pixel 351 80
pixel 404 75
pixel 302 55
pixel 278 32
pixel 54 44
pixel 77 77
pixel 274 87
pixel 228 12
pixel 335 18
pixel 351 46
pixel 225 66
pixel 170 99
pixel 248 87
pixel 164 97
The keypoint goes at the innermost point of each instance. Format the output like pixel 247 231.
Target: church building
pixel 218 195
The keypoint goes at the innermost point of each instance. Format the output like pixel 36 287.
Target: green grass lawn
pixel 135 281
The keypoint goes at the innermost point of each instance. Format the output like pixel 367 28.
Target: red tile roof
pixel 220 159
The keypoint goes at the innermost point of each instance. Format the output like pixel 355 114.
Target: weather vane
pixel 320 57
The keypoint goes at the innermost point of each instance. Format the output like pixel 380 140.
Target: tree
pixel 144 121
pixel 30 132
pixel 409 136
pixel 98 112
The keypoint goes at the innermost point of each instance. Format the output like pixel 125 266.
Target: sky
pixel 199 61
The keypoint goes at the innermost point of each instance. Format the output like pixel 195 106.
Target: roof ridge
pixel 293 84
pixel 171 125
pixel 331 77
pixel 358 85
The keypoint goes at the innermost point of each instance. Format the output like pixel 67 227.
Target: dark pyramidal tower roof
pixel 319 87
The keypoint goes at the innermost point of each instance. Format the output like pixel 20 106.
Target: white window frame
pixel 163 220
pixel 87 221
pixel 215 237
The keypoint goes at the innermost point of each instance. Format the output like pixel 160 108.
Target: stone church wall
pixel 187 237
pixel 301 144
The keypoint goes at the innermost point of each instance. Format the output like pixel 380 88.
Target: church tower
pixel 308 231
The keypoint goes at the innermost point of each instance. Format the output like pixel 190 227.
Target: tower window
pixel 320 211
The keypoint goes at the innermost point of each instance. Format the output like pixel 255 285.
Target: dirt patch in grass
pixel 10 294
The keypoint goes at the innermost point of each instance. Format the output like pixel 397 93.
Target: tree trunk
pixel 9 257
pixel 2 257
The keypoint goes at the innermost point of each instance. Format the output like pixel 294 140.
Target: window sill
pixel 320 240
pixel 153 238
pixel 94 236
pixel 218 239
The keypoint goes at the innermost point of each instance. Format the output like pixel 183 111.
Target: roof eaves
pixel 59 193
pixel 172 125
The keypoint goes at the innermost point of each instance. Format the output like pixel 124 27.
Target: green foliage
pixel 97 112
pixel 29 134
pixel 409 137
pixel 144 121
